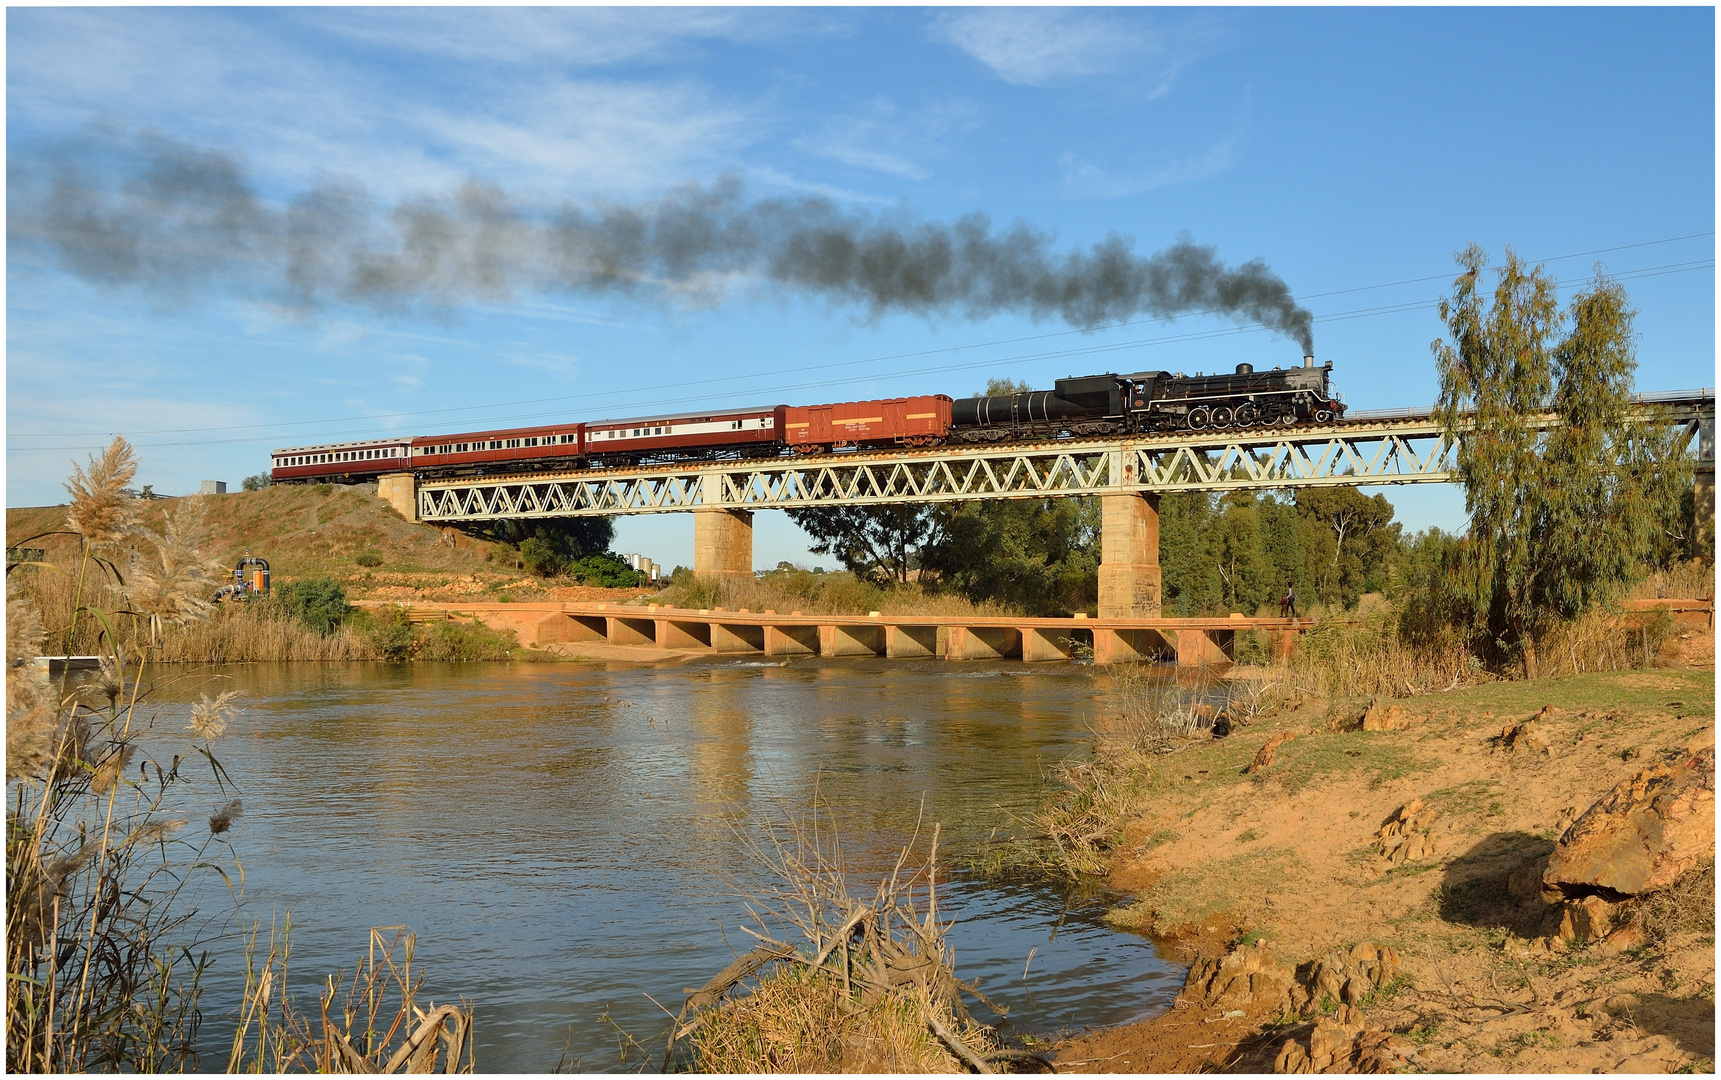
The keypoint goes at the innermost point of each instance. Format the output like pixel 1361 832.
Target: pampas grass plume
pixel 100 510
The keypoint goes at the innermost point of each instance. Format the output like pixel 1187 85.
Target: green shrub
pixel 319 603
pixel 387 630
pixel 256 483
pixel 541 557
pixel 368 558
pixel 462 641
pixel 605 571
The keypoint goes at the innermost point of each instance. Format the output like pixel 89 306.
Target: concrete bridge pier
pixel 723 544
pixel 1129 556
pixel 400 490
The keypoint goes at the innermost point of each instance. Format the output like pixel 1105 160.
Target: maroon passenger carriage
pixel 552 447
pixel 346 461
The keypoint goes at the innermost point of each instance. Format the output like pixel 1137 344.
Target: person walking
pixel 1288 602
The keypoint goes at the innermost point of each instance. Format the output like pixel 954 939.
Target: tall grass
pixel 230 633
pixel 1092 799
pixel 839 593
pixel 240 632
pixel 1377 656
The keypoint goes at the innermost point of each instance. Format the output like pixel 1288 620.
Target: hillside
pixel 309 531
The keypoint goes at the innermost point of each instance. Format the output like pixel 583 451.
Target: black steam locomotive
pixel 1152 401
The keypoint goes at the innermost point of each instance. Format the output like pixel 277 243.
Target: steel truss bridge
pixel 1402 447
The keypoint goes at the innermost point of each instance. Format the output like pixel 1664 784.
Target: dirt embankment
pixel 1373 899
pixel 310 531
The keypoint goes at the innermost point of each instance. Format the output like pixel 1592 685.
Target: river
pixel 565 839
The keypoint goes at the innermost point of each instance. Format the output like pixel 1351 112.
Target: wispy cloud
pixel 526 117
pixel 1051 46
pixel 1087 179
pixel 528 36
pixel 886 138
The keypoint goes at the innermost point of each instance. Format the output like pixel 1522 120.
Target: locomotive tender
pixel 1110 404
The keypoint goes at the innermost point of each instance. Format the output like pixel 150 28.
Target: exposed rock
pixel 1333 1047
pixel 1345 978
pixel 1403 837
pixel 1583 920
pixel 1527 735
pixel 1382 715
pixel 1641 835
pixel 1264 756
pixel 1249 977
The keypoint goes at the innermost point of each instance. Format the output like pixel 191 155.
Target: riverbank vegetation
pixel 306 620
pixel 105 952
pixel 792 588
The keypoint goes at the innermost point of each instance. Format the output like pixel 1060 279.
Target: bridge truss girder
pixel 1411 451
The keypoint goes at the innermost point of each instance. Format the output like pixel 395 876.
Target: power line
pixel 1092 350
pixel 1655 271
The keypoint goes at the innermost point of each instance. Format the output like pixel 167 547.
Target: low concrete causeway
pixel 1188 642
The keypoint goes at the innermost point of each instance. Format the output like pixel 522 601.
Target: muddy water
pixel 563 838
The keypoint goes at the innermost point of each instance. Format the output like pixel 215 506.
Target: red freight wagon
pixel 557 445
pixel 913 421
pixel 651 436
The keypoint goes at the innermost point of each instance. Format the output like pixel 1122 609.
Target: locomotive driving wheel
pixel 1222 417
pixel 1248 415
pixel 1199 419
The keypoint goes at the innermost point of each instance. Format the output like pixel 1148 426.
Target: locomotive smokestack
pixel 1308 359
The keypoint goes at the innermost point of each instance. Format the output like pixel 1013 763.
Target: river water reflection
pixel 561 837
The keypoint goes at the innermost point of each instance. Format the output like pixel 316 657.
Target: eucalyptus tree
pixel 1562 519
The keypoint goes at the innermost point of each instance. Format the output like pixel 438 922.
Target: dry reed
pixel 368 1024
pixel 103 962
pixel 1371 657
pixel 870 987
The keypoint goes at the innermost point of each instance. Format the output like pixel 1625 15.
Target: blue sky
pixel 1353 150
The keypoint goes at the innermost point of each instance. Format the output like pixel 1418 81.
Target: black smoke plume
pixel 175 221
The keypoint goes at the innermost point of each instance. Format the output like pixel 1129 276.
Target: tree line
pixel 1218 553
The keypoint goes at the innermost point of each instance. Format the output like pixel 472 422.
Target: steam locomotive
pixel 1153 401
pixel 1144 402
